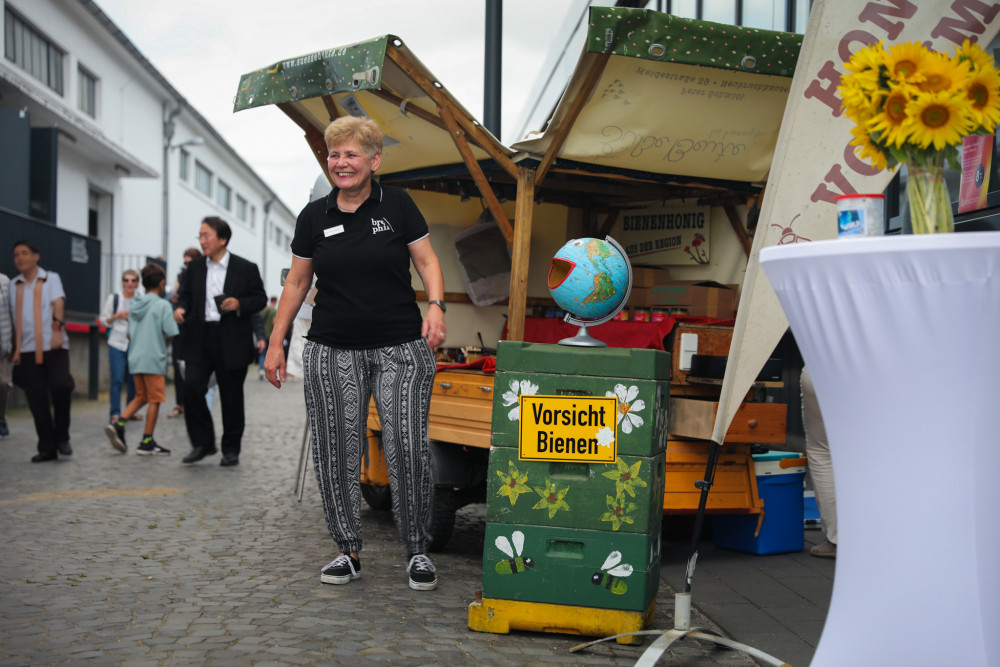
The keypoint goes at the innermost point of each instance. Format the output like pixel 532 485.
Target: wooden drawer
pixel 461 408
pixel 734 488
pixel 762 423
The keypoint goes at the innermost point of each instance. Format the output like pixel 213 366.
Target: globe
pixel 589 279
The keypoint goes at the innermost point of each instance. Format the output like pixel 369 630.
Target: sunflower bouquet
pixel 914 105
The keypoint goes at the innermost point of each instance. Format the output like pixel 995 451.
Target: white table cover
pixel 902 338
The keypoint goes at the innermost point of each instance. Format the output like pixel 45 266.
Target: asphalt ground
pixel 121 559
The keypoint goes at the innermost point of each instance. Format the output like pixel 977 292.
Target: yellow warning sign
pixel 568 428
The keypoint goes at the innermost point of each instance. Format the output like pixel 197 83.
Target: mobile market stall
pixel 663 140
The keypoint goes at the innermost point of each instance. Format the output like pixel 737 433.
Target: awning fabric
pixel 658 93
pixel 379 78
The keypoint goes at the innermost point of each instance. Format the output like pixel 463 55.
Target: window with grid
pixel 241 208
pixel 183 165
pixel 87 92
pixel 202 179
pixel 224 195
pixel 31 51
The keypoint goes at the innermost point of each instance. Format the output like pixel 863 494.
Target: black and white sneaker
pixel 116 435
pixel 150 448
pixel 342 570
pixel 423 576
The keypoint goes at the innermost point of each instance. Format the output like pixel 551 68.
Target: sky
pixel 202 47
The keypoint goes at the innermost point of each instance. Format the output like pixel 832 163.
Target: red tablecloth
pixel 616 333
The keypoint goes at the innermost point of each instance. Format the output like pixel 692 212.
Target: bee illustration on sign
pixel 612 575
pixel 515 563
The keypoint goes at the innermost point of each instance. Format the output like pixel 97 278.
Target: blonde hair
pixel 348 128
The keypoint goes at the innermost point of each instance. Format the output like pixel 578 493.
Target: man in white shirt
pixel 41 350
pixel 217 298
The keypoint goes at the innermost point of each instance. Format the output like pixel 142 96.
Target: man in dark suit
pixel 217 298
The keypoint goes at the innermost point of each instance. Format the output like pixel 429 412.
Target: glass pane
pixel 720 11
pixel 761 13
pixel 685 8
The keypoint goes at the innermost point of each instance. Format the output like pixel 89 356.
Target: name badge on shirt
pixel 330 231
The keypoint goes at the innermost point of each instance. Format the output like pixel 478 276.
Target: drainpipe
pixel 263 242
pixel 168 136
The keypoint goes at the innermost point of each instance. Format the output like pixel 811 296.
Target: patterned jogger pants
pixel 338 384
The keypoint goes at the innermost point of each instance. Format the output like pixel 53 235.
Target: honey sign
pixel 568 428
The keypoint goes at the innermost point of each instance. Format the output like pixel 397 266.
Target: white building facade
pixel 106 166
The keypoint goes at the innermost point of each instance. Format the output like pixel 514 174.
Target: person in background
pixel 115 318
pixel 259 340
pixel 151 326
pixel 41 350
pixel 6 345
pixel 820 467
pixel 367 338
pixel 214 305
pixel 267 316
pixel 189 254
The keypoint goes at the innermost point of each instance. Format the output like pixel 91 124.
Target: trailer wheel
pixel 444 504
pixel 377 497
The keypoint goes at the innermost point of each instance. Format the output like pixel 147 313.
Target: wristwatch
pixel 439 303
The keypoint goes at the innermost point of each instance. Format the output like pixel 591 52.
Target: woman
pixel 115 318
pixel 367 337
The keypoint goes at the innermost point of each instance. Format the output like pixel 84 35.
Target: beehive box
pixel 624 496
pixel 571 566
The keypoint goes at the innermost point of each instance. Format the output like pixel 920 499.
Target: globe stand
pixel 583 337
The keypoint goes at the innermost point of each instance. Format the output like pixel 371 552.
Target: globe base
pixel 583 339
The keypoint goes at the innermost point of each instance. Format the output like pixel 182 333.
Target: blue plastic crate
pixel 781 530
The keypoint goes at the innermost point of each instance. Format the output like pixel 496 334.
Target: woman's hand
pixel 274 364
pixel 433 329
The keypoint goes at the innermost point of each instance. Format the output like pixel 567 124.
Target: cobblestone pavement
pixel 122 559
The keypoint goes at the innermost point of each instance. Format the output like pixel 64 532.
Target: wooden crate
pixel 762 423
pixel 734 488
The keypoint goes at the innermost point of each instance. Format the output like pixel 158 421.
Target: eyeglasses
pixel 130 280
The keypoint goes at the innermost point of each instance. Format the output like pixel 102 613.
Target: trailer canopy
pixel 424 126
pixel 659 94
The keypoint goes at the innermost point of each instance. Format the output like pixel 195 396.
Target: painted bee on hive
pixel 516 564
pixel 612 576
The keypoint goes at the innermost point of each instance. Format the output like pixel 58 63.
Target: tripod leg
pixel 300 477
pixel 705 485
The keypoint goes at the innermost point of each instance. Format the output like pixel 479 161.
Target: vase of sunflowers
pixel 914 105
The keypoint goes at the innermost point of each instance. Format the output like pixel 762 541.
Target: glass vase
pixel 930 207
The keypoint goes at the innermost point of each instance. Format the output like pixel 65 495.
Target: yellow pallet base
pixel 502 616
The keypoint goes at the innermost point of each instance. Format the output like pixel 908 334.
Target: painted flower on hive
pixel 914 105
pixel 626 477
pixel 618 511
pixel 628 406
pixel 513 483
pixel 517 388
pixel 551 498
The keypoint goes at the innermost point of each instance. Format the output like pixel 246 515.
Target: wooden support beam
pixel 314 137
pixel 741 232
pixel 521 254
pixel 590 78
pixel 331 107
pixel 476 133
pixel 606 227
pixel 419 112
pixel 458 136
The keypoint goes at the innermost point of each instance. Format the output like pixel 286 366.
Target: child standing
pixel 151 326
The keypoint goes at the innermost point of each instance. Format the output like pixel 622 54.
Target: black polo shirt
pixel 364 296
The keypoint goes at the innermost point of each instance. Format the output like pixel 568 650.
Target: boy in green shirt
pixel 151 326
